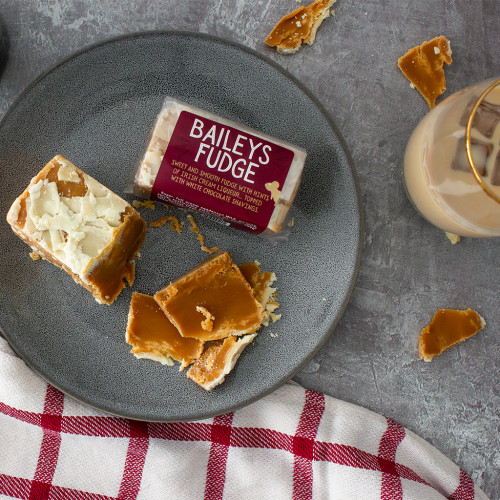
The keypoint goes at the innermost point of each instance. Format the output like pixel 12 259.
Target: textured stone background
pixel 409 269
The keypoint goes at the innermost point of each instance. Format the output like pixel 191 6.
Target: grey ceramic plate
pixel 96 108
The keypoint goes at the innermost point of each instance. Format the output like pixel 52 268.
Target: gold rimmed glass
pixel 452 162
pixel 468 148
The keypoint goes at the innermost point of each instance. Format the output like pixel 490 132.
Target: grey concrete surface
pixel 409 269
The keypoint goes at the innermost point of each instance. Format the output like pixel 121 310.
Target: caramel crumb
pixel 423 66
pixel 299 27
pixel 272 306
pixel 175 225
pixel 447 328
pixel 195 229
pixel 150 204
pixel 275 317
pixel 35 255
pixel 208 323
pixel 454 238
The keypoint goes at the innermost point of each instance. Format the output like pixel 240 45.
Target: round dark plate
pixel 96 108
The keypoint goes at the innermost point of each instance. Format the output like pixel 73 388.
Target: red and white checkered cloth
pixel 292 444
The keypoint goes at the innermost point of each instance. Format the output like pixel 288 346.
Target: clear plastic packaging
pixel 202 162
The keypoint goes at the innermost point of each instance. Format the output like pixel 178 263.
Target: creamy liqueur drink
pixel 439 178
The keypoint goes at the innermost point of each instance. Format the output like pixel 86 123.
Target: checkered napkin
pixel 292 444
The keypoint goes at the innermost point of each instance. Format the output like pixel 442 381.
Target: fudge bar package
pixel 202 162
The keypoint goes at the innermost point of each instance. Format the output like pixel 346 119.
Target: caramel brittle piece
pixel 219 286
pixel 447 328
pixel 217 360
pixel 299 27
pixel 423 66
pixel 152 335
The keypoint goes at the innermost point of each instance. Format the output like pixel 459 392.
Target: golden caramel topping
pixel 69 189
pixel 211 363
pixel 423 66
pixel 151 333
pixel 219 286
pixel 107 275
pixel 447 328
pixel 299 27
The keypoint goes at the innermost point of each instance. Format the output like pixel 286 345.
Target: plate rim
pixel 359 202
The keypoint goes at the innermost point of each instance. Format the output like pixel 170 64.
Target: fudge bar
pixel 73 221
pixel 215 166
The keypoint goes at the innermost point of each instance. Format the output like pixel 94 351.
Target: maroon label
pixel 222 171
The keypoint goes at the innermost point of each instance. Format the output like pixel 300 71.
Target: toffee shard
pixel 423 66
pixel 298 27
pixel 448 328
pixel 218 286
pixel 153 336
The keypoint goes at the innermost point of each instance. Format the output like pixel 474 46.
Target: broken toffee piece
pixel 213 285
pixel 298 27
pixel 447 328
pixel 218 286
pixel 154 337
pixel 217 360
pixel 423 66
pixel 76 223
pixel 203 162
